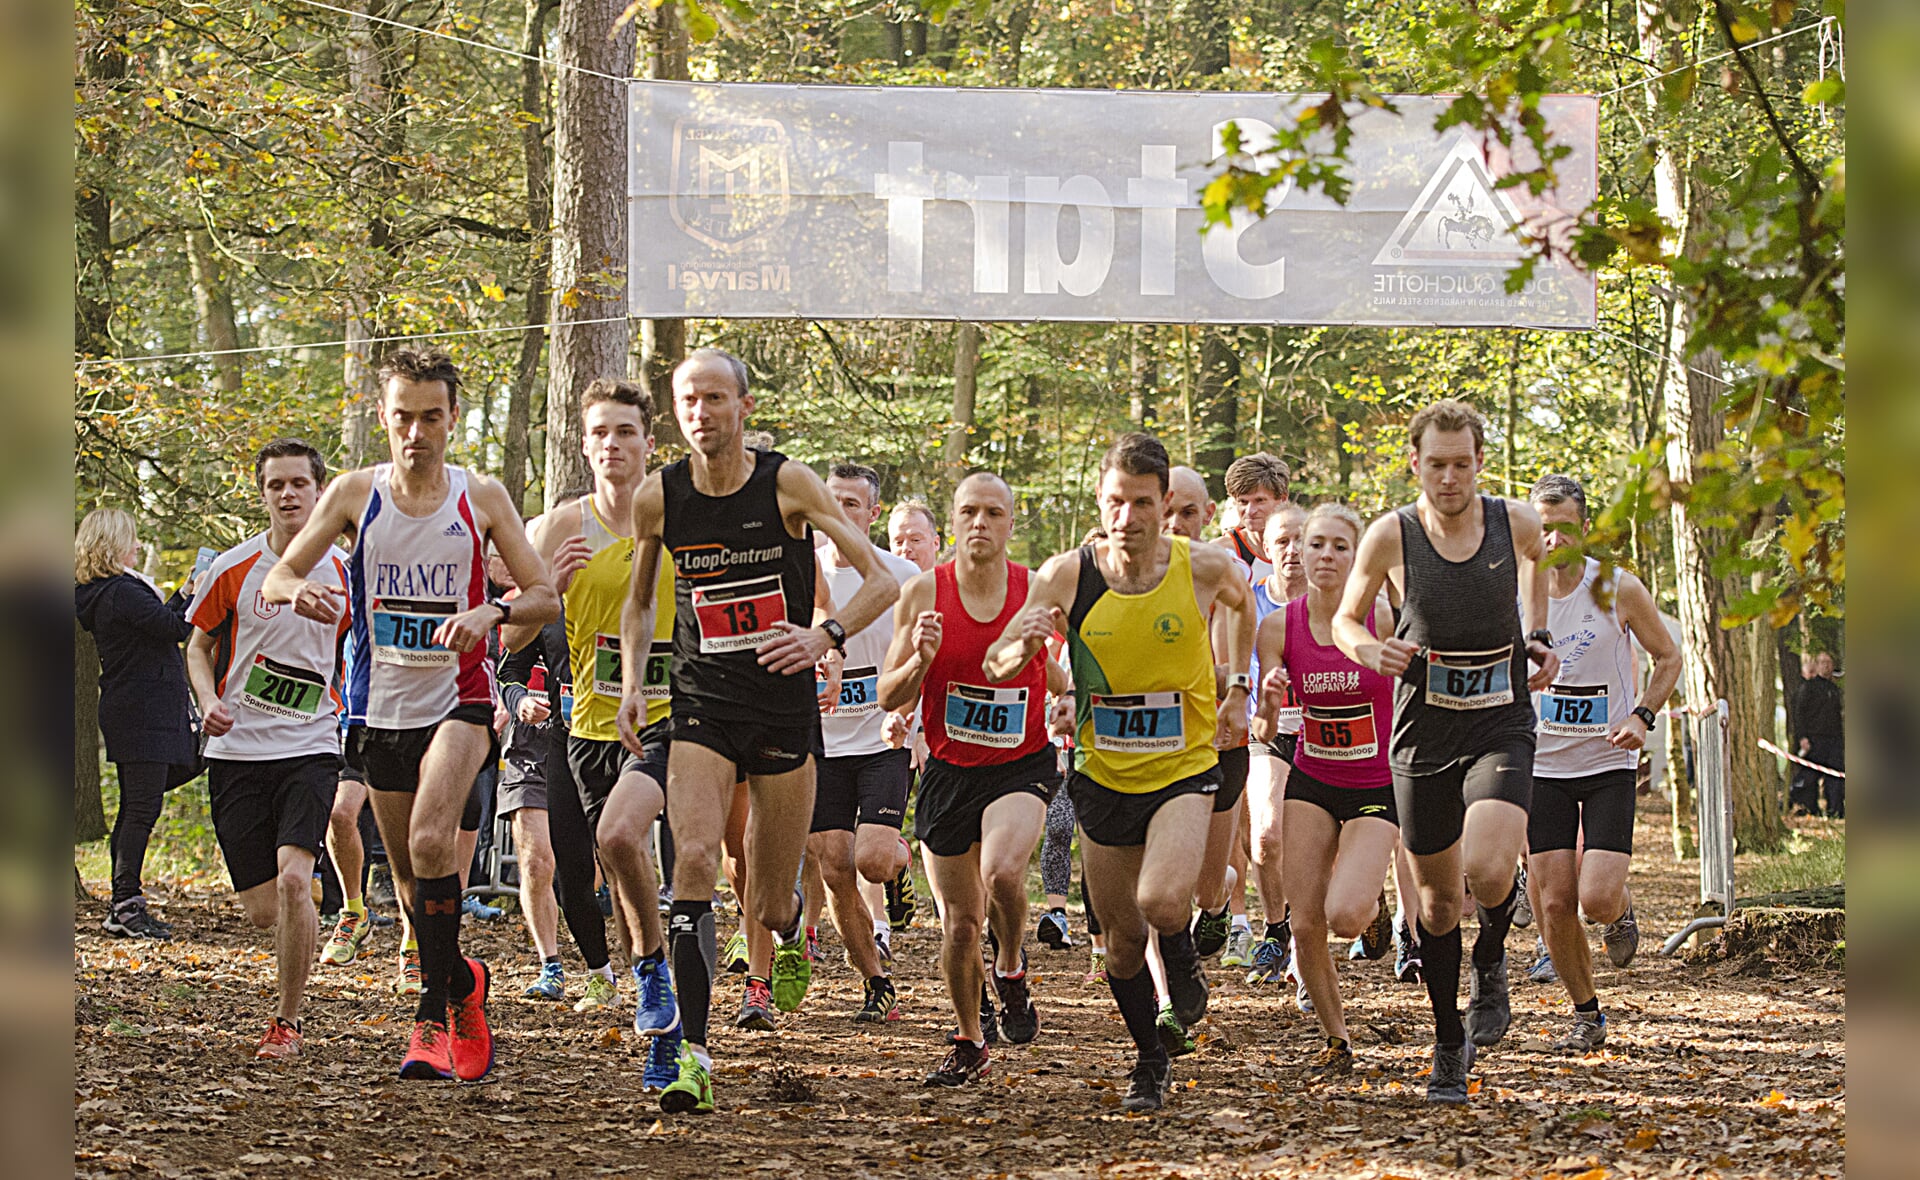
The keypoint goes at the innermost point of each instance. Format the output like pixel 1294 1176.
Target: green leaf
pixel 700 25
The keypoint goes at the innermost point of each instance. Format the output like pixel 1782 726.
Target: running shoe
pixel 1018 1019
pixel 792 972
pixel 1621 937
pixel 1335 1060
pixel 1522 904
pixel 1357 949
pixel 1406 954
pixel 1186 984
pixel 880 1004
pixel 602 992
pixel 1097 968
pixel 1052 932
pixel 1488 1010
pixel 902 900
pixel 1588 1033
pixel 1542 970
pixel 281 1040
pixel 734 954
pixel 552 984
pixel 1377 939
pixel 1239 949
pixel 1302 999
pixel 429 1053
pixel 1271 957
pixel 604 898
pixel 691 1092
pixel 656 1013
pixel 380 886
pixel 1448 1081
pixel 130 919
pixel 472 907
pixel 1173 1034
pixel 349 939
pixel 883 941
pixel 1210 932
pixel 663 1063
pixel 813 945
pixel 756 1006
pixel 964 1062
pixel 1147 1086
pixel 467 1020
pixel 408 982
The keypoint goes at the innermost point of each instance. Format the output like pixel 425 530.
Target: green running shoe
pixel 734 955
pixel 1173 1034
pixel 601 993
pixel 792 972
pixel 692 1091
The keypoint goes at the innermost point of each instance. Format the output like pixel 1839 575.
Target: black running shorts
pixel 1598 806
pixel 862 789
pixel 753 748
pixel 597 765
pixel 1233 778
pixel 261 807
pixel 1342 803
pixel 1433 807
pixel 1116 819
pixel 947 816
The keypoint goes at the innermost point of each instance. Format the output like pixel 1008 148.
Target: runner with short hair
pixel 913 533
pixel 1591 730
pixel 1463 741
pixel 1272 760
pixel 737 524
pixel 420 704
pixel 1135 611
pixel 991 769
pixel 1256 484
pixel 266 682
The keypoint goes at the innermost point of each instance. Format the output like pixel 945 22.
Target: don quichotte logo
pixel 731 180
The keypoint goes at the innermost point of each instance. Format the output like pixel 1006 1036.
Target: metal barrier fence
pixel 498 859
pixel 1713 799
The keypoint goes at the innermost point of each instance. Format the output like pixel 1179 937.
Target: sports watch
pixel 1645 714
pixel 835 632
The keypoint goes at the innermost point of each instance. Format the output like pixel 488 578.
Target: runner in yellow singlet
pixel 1134 608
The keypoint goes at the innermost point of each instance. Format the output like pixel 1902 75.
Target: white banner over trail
pixel 830 202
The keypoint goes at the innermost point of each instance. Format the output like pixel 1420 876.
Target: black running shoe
pixel 1210 932
pixel 1448 1081
pixel 964 1062
pixel 1018 1020
pixel 1377 938
pixel 1186 985
pixel 1051 930
pixel 1488 1011
pixel 1406 954
pixel 1333 1061
pixel 881 1004
pixel 989 1017
pixel 1147 1086
pixel 901 897
pixel 130 919
pixel 756 1007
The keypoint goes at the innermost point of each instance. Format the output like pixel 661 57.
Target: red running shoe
pixel 472 1039
pixel 282 1040
pixel 429 1053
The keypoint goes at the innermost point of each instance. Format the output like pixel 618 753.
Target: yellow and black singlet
pixel 1142 677
pixel 593 601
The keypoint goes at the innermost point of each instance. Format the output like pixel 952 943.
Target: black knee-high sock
pixel 1093 919
pixel 690 939
pixel 1490 945
pixel 436 923
pixel 1137 1008
pixel 1176 950
pixel 1440 966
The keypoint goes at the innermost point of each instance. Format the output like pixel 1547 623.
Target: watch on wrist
pixel 504 607
pixel 1240 680
pixel 835 632
pixel 1542 636
pixel 1645 714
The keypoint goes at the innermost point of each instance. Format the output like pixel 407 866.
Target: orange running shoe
pixel 429 1053
pixel 282 1040
pixel 472 1039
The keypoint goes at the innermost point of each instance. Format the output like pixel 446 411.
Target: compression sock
pixel 690 936
pixel 1592 1005
pixel 1440 967
pixel 437 926
pixel 1490 945
pixel 1138 1009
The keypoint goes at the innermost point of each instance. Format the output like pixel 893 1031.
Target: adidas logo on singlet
pixel 455 530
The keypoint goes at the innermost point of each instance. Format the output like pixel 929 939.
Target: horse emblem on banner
pixel 1461 218
pixel 731 180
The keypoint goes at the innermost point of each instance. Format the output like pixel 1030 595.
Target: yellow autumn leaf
pixel 1774 1098
pixel 492 291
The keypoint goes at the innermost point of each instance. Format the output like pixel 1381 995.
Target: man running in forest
pixel 738 526
pixel 1463 742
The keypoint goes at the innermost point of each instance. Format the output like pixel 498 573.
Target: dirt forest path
pixel 1708 1071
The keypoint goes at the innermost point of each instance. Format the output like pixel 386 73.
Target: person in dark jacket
pixel 145 716
pixel 1823 734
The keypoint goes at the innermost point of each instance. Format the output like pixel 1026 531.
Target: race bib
pixel 859 692
pixel 739 616
pixel 1574 711
pixel 1344 733
pixel 656 681
pixel 1470 679
pixel 403 632
pixel 606 665
pixel 282 690
pixel 566 705
pixel 994 717
pixel 1147 723
pixel 1290 710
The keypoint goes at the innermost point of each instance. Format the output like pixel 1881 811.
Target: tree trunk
pixel 1207 23
pixel 213 304
pixel 1143 388
pixel 105 67
pixel 663 343
pixel 966 368
pixel 373 70
pixel 89 811
pixel 1218 398
pixel 533 151
pixel 589 226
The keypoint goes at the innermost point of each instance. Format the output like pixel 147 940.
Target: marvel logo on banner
pixel 830 202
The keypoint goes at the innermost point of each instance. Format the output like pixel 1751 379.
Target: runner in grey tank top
pixel 1463 722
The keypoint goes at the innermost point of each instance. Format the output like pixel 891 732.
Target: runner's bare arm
pixel 546 533
pixel 804 497
pixel 1059 680
pixel 216 718
pixel 1049 597
pixel 1230 594
pixel 916 637
pixel 1642 617
pixel 537 604
pixel 1271 643
pixel 636 614
pixel 1379 555
pixel 1530 551
pixel 339 507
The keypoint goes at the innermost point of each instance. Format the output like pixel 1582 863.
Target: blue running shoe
pixel 1542 970
pixel 663 1063
pixel 656 1015
pixel 478 910
pixel 552 984
pixel 1271 957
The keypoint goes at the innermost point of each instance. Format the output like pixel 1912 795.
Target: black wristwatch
pixel 1542 636
pixel 835 632
pixel 504 607
pixel 1645 714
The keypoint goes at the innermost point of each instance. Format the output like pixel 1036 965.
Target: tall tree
pixel 376 79
pixel 966 386
pixel 663 343
pixel 533 150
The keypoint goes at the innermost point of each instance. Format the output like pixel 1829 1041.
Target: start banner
pixel 841 202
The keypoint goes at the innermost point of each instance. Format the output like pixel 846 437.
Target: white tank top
pixel 1594 688
pixel 407 575
pixel 857 724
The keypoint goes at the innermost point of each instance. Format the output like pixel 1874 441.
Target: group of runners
pixel 720 643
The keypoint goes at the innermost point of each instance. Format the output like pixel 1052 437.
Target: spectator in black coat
pixel 1823 735
pixel 145 714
